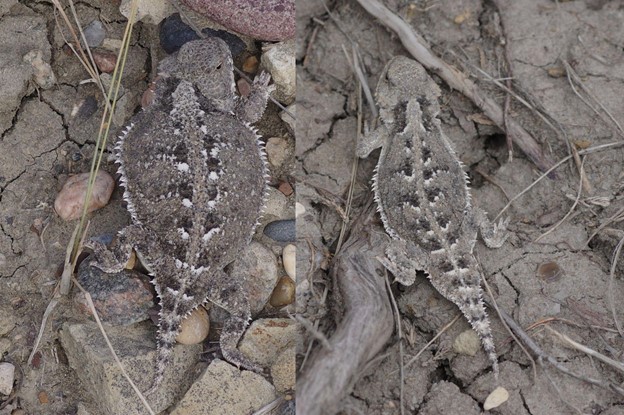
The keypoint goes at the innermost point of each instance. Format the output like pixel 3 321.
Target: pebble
pixel 7 377
pixel 251 64
pixel 149 11
pixel 105 60
pixel 281 230
pixel 121 298
pixel 284 293
pixel 244 88
pixel 549 271
pixel 277 151
pixel 174 33
pixel 43 397
pixel 285 188
pixel 289 258
pixel 279 60
pixel 495 399
pixel 266 338
pixel 272 20
pixel 42 71
pixel 277 206
pixel 94 33
pixel 283 371
pixel 194 328
pixel 70 201
pixel 467 343
pixel 299 209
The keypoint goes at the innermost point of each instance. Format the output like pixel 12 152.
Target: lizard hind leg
pixel 230 295
pixel 403 259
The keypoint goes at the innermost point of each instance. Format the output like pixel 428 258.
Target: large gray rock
pixel 223 389
pixel 135 346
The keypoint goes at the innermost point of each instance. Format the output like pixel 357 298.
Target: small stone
pixel 149 11
pixel 495 399
pixel 285 188
pixel 251 64
pixel 277 205
pixel 272 20
pixel 284 293
pixel 556 72
pixel 121 298
pixel 244 88
pixel 223 389
pixel 467 343
pixel 105 60
pixel 94 33
pixel 194 328
pixel 277 151
pixel 174 33
pixel 549 271
pixel 43 397
pixel 281 230
pixel 266 338
pixel 289 259
pixel 149 94
pixel 283 371
pixel 22 412
pixel 43 74
pixel 279 60
pixel 70 201
pixel 7 377
pixel 299 209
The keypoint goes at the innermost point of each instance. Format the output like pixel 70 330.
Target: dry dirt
pixel 527 42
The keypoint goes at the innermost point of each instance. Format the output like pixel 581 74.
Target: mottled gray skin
pixel 194 174
pixel 423 196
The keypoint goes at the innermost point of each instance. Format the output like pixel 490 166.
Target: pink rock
pixel 105 60
pixel 272 20
pixel 70 201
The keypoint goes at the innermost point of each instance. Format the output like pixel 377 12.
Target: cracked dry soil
pixel 559 281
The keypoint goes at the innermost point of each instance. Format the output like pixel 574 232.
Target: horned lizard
pixel 194 174
pixel 422 195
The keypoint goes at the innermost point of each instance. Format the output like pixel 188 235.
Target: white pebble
pixel 7 376
pixel 299 209
pixel 495 399
pixel 289 259
pixel 194 328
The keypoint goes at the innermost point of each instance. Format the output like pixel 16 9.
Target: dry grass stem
pixel 397 318
pixel 610 291
pixel 588 351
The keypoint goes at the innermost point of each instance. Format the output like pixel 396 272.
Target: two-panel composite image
pixel 280 207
